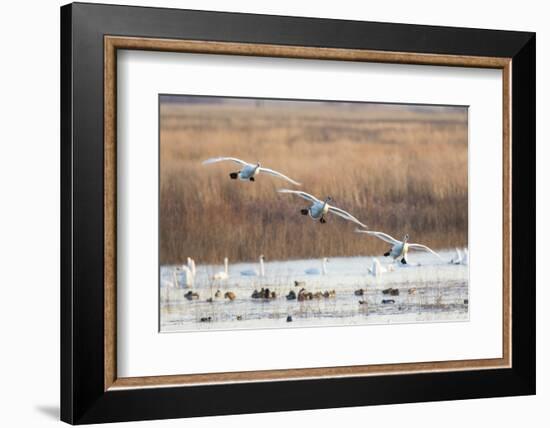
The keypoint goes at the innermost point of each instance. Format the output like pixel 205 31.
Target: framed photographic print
pixel 274 213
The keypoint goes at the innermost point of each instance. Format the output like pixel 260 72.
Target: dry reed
pixel 399 169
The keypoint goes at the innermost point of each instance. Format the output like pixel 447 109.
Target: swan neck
pixel 262 269
pixel 176 285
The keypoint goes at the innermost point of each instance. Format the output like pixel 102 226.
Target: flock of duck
pixel 318 210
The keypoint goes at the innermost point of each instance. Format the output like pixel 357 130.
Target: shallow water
pixel 429 291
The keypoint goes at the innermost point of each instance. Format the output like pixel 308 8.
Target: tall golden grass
pixel 399 169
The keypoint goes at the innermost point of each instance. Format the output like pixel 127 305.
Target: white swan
pixel 249 170
pixel 191 266
pixel 316 271
pixel 167 284
pixel 173 283
pixel 319 209
pixel 377 269
pixel 461 257
pixel 466 258
pixel 175 279
pixel 183 277
pixel 457 259
pixel 224 274
pixel 253 272
pixel 399 249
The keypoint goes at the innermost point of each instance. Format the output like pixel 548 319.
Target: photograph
pixel 278 213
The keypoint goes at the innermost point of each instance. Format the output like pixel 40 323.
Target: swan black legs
pixel 386 254
pixel 322 220
pixel 304 211
pixel 403 261
pixel 234 175
pixel 251 178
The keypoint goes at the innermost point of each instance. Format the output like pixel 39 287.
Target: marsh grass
pixel 399 169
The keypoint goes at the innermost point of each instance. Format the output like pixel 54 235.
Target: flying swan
pixel 319 209
pixel 399 249
pixel 249 170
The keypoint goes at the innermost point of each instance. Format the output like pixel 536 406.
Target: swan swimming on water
pixel 377 269
pixel 183 277
pixel 319 209
pixel 253 272
pixel 317 271
pixel 399 249
pixel 187 274
pixel 224 274
pixel 249 171
pixel 461 257
pixel 457 259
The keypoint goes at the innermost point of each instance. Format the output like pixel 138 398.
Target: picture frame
pixel 91 390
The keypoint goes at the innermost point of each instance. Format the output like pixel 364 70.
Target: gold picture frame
pixel 114 43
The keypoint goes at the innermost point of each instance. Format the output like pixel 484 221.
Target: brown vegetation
pixel 399 169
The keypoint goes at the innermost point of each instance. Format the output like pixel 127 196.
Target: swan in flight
pixel 249 171
pixel 254 272
pixel 316 271
pixel 399 249
pixel 377 269
pixel 224 274
pixel 319 209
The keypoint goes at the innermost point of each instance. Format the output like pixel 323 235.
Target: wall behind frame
pixel 29 227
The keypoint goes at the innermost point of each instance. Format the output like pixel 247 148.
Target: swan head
pixel 325 259
pixel 328 199
pixel 406 237
pixel 262 257
pixel 258 164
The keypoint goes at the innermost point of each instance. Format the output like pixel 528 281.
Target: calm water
pixel 429 291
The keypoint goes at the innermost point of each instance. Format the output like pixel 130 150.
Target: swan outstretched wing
pixel 423 248
pixel 221 159
pixel 380 235
pixel 346 215
pixel 278 174
pixel 301 194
